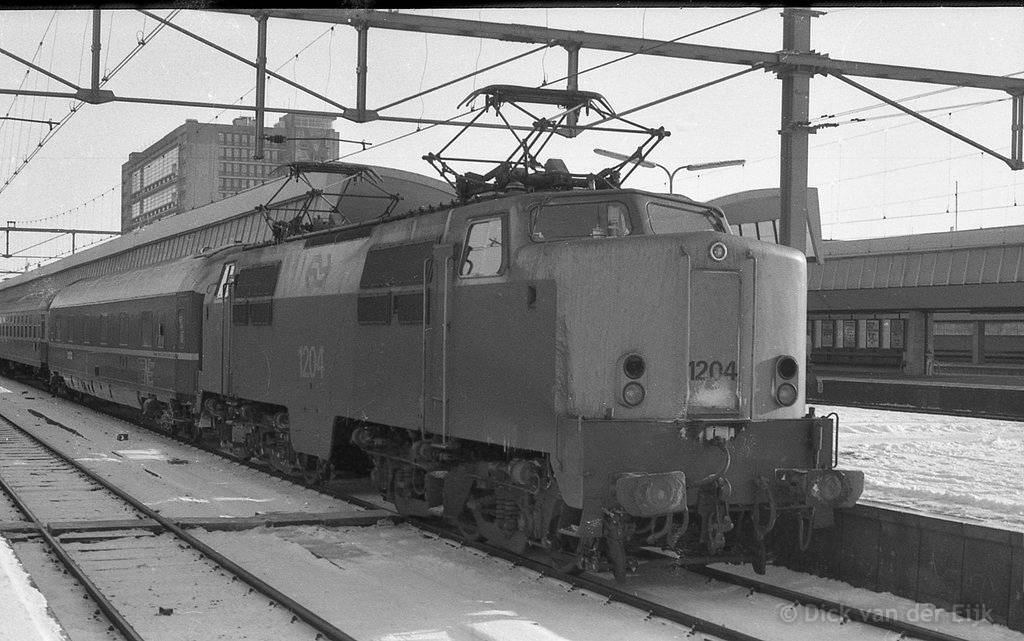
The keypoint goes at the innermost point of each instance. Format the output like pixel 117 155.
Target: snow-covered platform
pixel 975 394
pixel 954 563
pixel 942 516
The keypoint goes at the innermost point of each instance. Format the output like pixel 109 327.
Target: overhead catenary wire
pixel 72 209
pixel 921 215
pixel 589 69
pixel 278 68
pixel 464 77
pixel 657 46
pixel 24 78
pixel 880 105
pixel 74 108
pixel 927 198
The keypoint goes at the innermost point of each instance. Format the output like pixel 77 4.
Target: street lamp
pixel 671 174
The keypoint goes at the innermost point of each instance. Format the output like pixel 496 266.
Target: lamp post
pixel 671 174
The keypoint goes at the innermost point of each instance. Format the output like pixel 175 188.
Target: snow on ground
pixel 175 479
pixel 393 583
pixel 881 604
pixel 23 613
pixel 950 465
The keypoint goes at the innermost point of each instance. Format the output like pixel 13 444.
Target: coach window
pixel 483 253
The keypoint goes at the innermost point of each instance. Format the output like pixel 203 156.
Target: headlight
pixel 827 487
pixel 786 367
pixel 633 394
pixel 634 366
pixel 786 394
pixel 651 494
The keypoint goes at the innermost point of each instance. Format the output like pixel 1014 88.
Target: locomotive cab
pixel 675 385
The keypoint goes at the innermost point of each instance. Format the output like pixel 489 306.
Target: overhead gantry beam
pixel 810 61
pixel 795 64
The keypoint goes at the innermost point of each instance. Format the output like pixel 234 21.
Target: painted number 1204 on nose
pixel 700 370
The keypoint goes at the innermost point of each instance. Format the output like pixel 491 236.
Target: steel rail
pixel 613 594
pixel 105 605
pixel 309 617
pixel 697 624
pixel 869 617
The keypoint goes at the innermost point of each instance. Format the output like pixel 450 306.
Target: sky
pixel 884 175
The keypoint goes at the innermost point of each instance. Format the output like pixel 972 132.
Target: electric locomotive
pixel 552 361
pixel 549 361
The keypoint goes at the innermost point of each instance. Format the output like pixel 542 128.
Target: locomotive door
pixel 438 274
pixel 217 333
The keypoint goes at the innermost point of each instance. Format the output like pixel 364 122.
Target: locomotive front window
pixel 667 219
pixel 560 220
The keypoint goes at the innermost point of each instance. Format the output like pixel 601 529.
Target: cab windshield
pixel 560 220
pixel 676 219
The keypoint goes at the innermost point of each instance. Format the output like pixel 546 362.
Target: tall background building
pixel 197 163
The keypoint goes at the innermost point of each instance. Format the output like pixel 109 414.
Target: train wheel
pixel 467 525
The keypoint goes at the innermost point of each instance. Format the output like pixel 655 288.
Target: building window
pixel 897 328
pixel 953 329
pixel 1004 328
pixel 828 333
pixel 872 334
pixel 166 164
pixel 161 200
pixel 136 181
pixel 849 333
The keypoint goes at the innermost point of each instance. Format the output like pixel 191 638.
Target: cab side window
pixel 226 274
pixel 483 253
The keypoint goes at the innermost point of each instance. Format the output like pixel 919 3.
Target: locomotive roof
pixel 416 190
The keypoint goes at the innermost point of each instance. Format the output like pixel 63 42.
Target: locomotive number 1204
pixel 699 370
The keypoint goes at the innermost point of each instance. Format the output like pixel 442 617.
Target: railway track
pixel 150 578
pixel 614 593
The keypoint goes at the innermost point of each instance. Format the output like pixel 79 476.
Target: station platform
pixel 992 395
